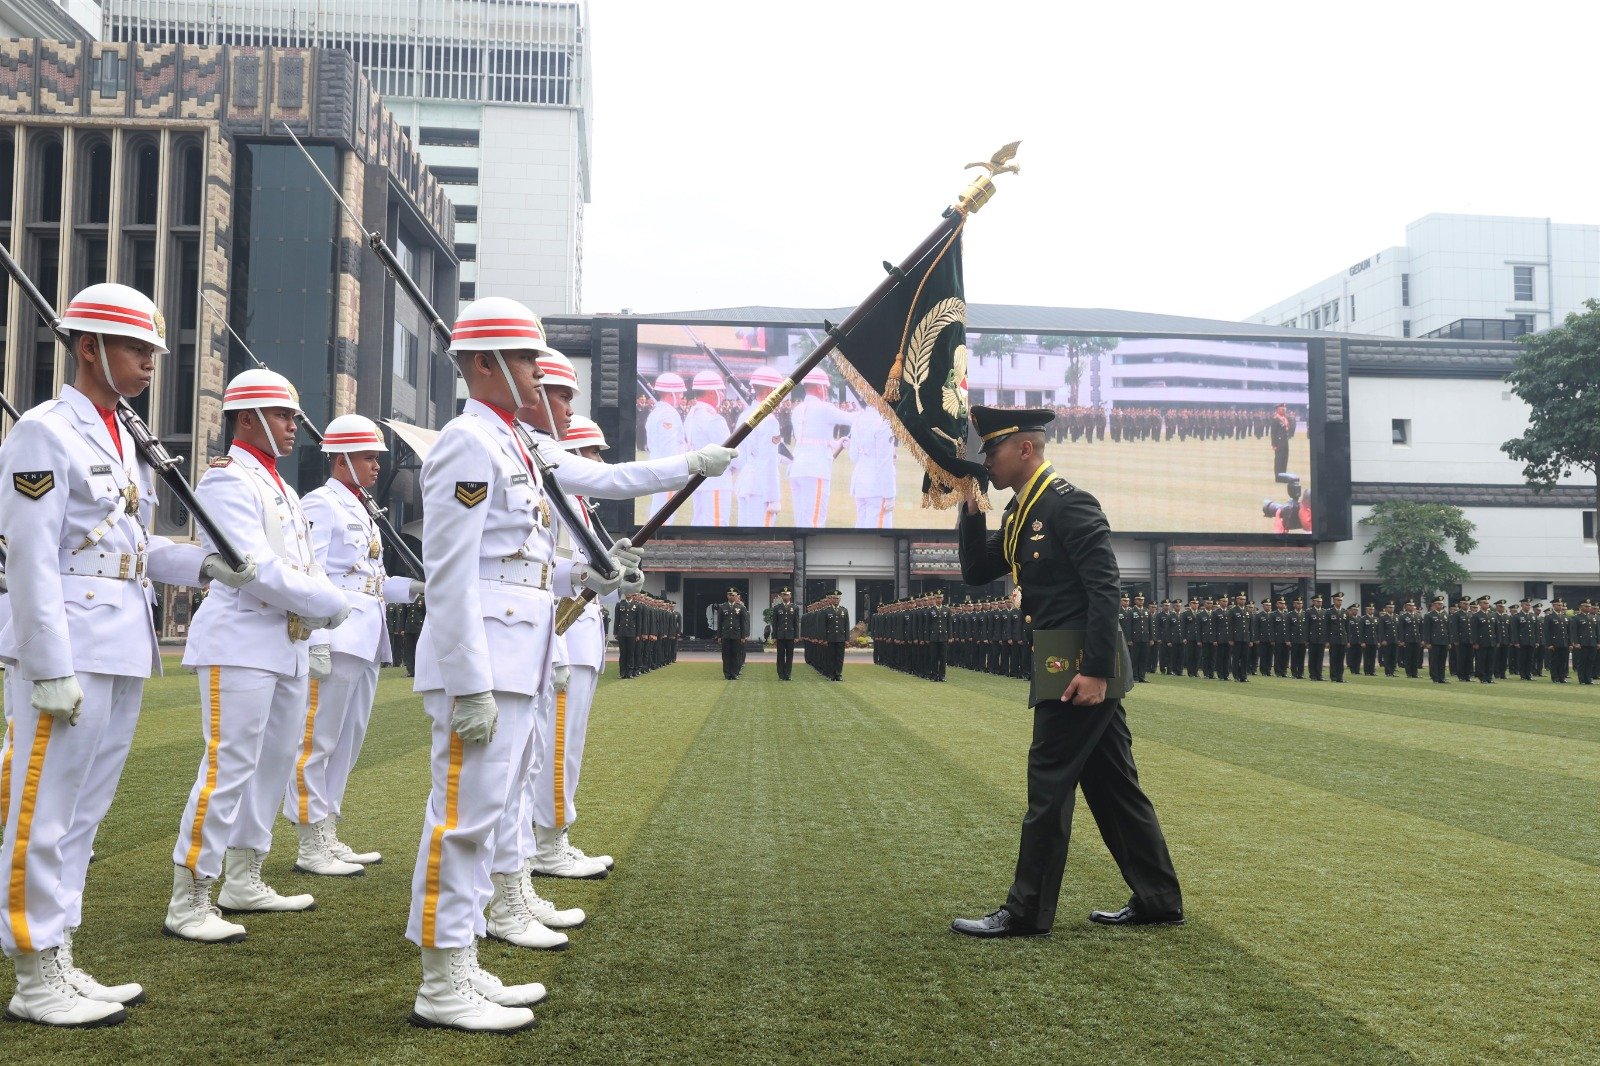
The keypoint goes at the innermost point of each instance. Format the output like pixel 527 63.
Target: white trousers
pixel 60 788
pixel 712 507
pixel 875 512
pixel 810 498
pixel 753 510
pixel 252 722
pixel 551 794
pixel 473 786
pixel 338 710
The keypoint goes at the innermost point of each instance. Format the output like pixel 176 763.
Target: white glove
pixel 603 586
pixel 632 581
pixel 59 697
pixel 217 570
pixel 473 717
pixel 625 555
pixel 336 620
pixel 562 676
pixel 416 591
pixel 711 460
pixel 321 661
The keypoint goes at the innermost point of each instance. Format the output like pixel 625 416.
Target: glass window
pixel 1522 283
pixel 1405 328
pixel 1525 324
pixel 405 354
pixel 1400 430
pixel 1405 290
pixel 191 184
pixel 146 185
pixel 8 160
pixel 95 206
pixel 1352 307
pixel 47 182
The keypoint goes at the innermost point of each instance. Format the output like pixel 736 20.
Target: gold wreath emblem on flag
pixel 1057 664
pixel 919 351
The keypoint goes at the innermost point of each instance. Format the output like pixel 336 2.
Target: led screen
pixel 1171 434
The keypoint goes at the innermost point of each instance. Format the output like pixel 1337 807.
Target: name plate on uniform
pixel 1057 654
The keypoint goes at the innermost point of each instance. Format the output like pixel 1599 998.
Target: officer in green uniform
pixel 1338 639
pixel 785 627
pixel 1557 632
pixel 1298 622
pixel 1436 632
pixel 1316 637
pixel 1055 543
pixel 733 625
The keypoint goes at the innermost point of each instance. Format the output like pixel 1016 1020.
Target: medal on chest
pixel 130 498
pixel 374 549
pixel 544 513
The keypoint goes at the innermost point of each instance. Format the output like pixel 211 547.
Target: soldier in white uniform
pixel 811 475
pixel 251 652
pixel 483 658
pixel 565 712
pixel 757 469
pixel 872 448
pixel 713 501
pixel 78 503
pixel 663 430
pixel 349 549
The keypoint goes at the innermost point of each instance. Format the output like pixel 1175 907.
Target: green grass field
pixel 1384 871
pixel 1211 485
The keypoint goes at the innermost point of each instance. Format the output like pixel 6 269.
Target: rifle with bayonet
pixel 740 389
pixel 379 515
pixel 151 450
pixel 599 554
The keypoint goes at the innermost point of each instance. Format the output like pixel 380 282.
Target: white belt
pixel 369 586
pixel 514 571
pixel 119 566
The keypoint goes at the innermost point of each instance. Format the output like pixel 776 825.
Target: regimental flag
pixel 908 359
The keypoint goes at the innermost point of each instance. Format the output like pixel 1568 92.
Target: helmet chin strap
pixel 105 362
pixel 272 438
pixel 516 393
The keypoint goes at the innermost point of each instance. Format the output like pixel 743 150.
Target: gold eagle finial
pixel 1000 162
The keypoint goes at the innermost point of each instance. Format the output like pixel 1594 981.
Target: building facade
pixel 166 167
pixel 65 20
pixel 495 95
pixel 1461 277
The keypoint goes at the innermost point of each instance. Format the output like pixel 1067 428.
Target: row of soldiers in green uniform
pixel 824 628
pixel 1475 639
pixel 923 636
pixel 647 632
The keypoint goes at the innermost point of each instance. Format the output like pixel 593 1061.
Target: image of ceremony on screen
pixel 1178 435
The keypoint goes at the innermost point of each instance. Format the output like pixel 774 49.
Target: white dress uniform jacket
pixel 705 426
pixel 663 432
pixel 346 539
pixel 249 626
pixel 872 481
pixel 757 471
pixel 814 421
pixel 79 566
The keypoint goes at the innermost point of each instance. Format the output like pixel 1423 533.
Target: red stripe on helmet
pixel 351 438
pixel 108 313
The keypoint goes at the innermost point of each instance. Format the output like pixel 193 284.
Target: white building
pixel 496 96
pixel 1466 277
pixel 61 20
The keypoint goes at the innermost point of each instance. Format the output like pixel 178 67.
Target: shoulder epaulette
pixel 221 461
pixel 1062 486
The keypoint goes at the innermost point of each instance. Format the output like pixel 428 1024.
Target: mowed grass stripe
pixel 1538 809
pixel 334 985
pixel 789 899
pixel 1406 923
pixel 1280 702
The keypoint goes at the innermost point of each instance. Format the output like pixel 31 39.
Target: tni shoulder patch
pixel 35 484
pixel 1063 488
pixel 471 493
pixel 221 461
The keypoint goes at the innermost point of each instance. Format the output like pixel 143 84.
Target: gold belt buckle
pixel 123 561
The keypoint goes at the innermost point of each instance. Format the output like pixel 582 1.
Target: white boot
pixel 511 921
pixel 494 990
pixel 557 858
pixel 44 995
pixel 127 995
pixel 341 850
pixel 604 860
pixel 314 856
pixel 244 891
pixel 192 916
pixel 447 999
pixel 545 912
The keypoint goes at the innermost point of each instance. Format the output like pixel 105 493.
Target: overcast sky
pixel 1190 158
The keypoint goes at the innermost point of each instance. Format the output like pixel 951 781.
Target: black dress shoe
pixel 1133 915
pixel 1000 923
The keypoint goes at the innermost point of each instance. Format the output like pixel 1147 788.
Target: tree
pixel 1558 377
pixel 1414 542
pixel 1077 349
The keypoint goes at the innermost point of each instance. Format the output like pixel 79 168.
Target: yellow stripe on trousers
pixel 561 759
pixel 19 850
pixel 305 756
pixel 211 771
pixel 816 508
pixel 452 788
pixel 5 773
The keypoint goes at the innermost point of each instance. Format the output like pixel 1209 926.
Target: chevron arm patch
pixel 34 484
pixel 471 493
